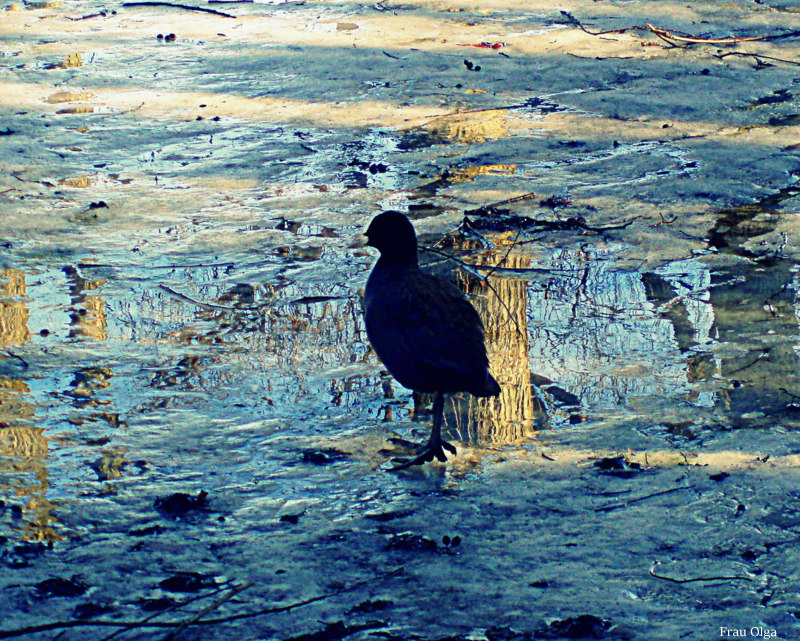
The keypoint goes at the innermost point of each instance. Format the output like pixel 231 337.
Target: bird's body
pixel 424 330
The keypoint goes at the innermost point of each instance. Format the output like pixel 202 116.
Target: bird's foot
pixel 432 450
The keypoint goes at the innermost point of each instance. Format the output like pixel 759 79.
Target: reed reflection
pixel 24 449
pixel 88 316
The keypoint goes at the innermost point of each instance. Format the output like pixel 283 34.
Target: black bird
pixel 425 331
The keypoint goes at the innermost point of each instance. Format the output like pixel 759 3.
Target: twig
pixel 303 300
pixel 211 607
pixel 695 578
pixel 505 256
pixel 25 180
pixel 786 391
pixel 577 23
pixel 757 56
pixel 471 269
pixel 680 36
pixel 695 292
pixel 172 608
pixel 615 506
pixel 450 114
pixel 467 267
pixel 514 199
pixel 750 364
pixel 575 223
pixel 209 306
pixel 188 7
pixel 25 363
pixel 101 14
pixel 137 266
pixel 62 625
pixel 484 209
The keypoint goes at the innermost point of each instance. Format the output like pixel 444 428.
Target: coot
pixel 424 330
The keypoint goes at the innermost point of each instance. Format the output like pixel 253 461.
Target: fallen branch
pixel 695 578
pixel 208 609
pixel 574 223
pixel 758 58
pixel 763 354
pixel 177 606
pixel 680 36
pixel 136 266
pixel 216 307
pixel 101 14
pixel 616 506
pixel 673 36
pixel 786 391
pixel 75 623
pixel 25 363
pixel 174 5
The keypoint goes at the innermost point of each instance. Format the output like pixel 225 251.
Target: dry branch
pixel 695 578
pixel 674 36
pixel 174 5
pixel 181 625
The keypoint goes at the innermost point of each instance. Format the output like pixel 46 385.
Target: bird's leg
pixel 436 445
pixel 436 442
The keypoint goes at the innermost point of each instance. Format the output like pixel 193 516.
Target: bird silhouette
pixel 424 330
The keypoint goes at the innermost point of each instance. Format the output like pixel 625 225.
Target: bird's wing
pixel 435 327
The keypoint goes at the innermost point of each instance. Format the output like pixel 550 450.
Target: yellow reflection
pixel 23 453
pixel 13 314
pixel 502 303
pixel 90 320
pixel 471 127
pixel 40 522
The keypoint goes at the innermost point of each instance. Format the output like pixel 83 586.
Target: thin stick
pixel 25 363
pixel 680 36
pixel 172 608
pixel 757 56
pixel 209 306
pixel 137 266
pixel 696 578
pixel 511 246
pixel 102 14
pixel 62 625
pixel 209 608
pixel 753 362
pixel 616 506
pixel 188 7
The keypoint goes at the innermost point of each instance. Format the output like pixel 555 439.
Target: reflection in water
pixel 13 313
pixel 503 307
pixel 618 338
pixel 88 319
pixel 755 317
pixel 596 332
pixel 292 352
pixel 471 127
pixel 23 448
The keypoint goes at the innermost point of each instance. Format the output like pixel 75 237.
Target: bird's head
pixel 393 235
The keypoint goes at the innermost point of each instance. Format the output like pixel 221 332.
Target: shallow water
pixel 180 313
